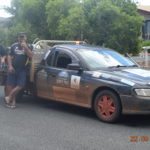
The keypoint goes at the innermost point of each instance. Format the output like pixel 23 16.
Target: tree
pixel 34 12
pixel 28 16
pixel 74 25
pixel 111 23
pixel 57 10
pixel 115 27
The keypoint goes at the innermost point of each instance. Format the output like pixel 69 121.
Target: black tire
pixel 107 106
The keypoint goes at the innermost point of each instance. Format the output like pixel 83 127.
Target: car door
pixel 61 79
pixel 70 86
pixel 59 83
pixel 43 76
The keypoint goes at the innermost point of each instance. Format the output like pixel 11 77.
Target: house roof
pixel 143 8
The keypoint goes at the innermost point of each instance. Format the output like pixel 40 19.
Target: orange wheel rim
pixel 106 106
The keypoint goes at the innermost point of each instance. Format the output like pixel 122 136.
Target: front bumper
pixel 135 105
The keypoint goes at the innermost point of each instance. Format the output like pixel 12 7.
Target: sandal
pixel 8 105
pixel 7 100
pixel 12 106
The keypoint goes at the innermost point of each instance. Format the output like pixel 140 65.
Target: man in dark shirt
pixel 17 58
pixel 2 54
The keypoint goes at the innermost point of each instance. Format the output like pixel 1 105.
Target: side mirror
pixel 74 66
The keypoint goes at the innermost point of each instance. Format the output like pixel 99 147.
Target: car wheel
pixel 107 106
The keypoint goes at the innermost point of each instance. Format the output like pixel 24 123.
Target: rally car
pixel 92 77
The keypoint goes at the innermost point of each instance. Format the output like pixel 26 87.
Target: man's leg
pixel 13 94
pixel 10 84
pixel 8 89
pixel 21 81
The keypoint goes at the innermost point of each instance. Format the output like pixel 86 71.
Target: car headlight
pixel 143 92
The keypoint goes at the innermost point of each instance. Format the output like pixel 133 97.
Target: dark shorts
pixel 16 79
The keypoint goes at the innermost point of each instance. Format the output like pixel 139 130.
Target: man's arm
pixel 9 61
pixel 27 50
pixel 10 55
pixel 3 58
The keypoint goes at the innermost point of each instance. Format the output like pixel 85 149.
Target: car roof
pixel 75 47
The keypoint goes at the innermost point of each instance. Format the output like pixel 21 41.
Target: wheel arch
pixel 102 89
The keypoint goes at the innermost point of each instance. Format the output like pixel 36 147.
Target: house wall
pixel 146 25
pixel 146 16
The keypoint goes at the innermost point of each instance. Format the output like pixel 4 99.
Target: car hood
pixel 129 76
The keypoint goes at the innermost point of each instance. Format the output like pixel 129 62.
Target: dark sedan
pixel 94 77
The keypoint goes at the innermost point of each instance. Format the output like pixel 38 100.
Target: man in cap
pixel 17 58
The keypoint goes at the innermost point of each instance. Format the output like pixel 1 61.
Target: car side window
pixel 63 60
pixel 50 61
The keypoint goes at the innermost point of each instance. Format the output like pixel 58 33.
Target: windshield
pixel 96 59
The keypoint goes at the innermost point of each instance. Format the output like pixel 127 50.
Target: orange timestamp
pixel 143 138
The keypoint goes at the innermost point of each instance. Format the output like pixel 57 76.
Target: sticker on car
pixel 62 78
pixel 75 82
pixel 96 74
pixel 128 82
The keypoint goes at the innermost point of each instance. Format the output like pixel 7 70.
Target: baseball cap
pixel 22 34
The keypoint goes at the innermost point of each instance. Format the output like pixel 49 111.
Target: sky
pixel 7 3
pixel 2 4
pixel 143 2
